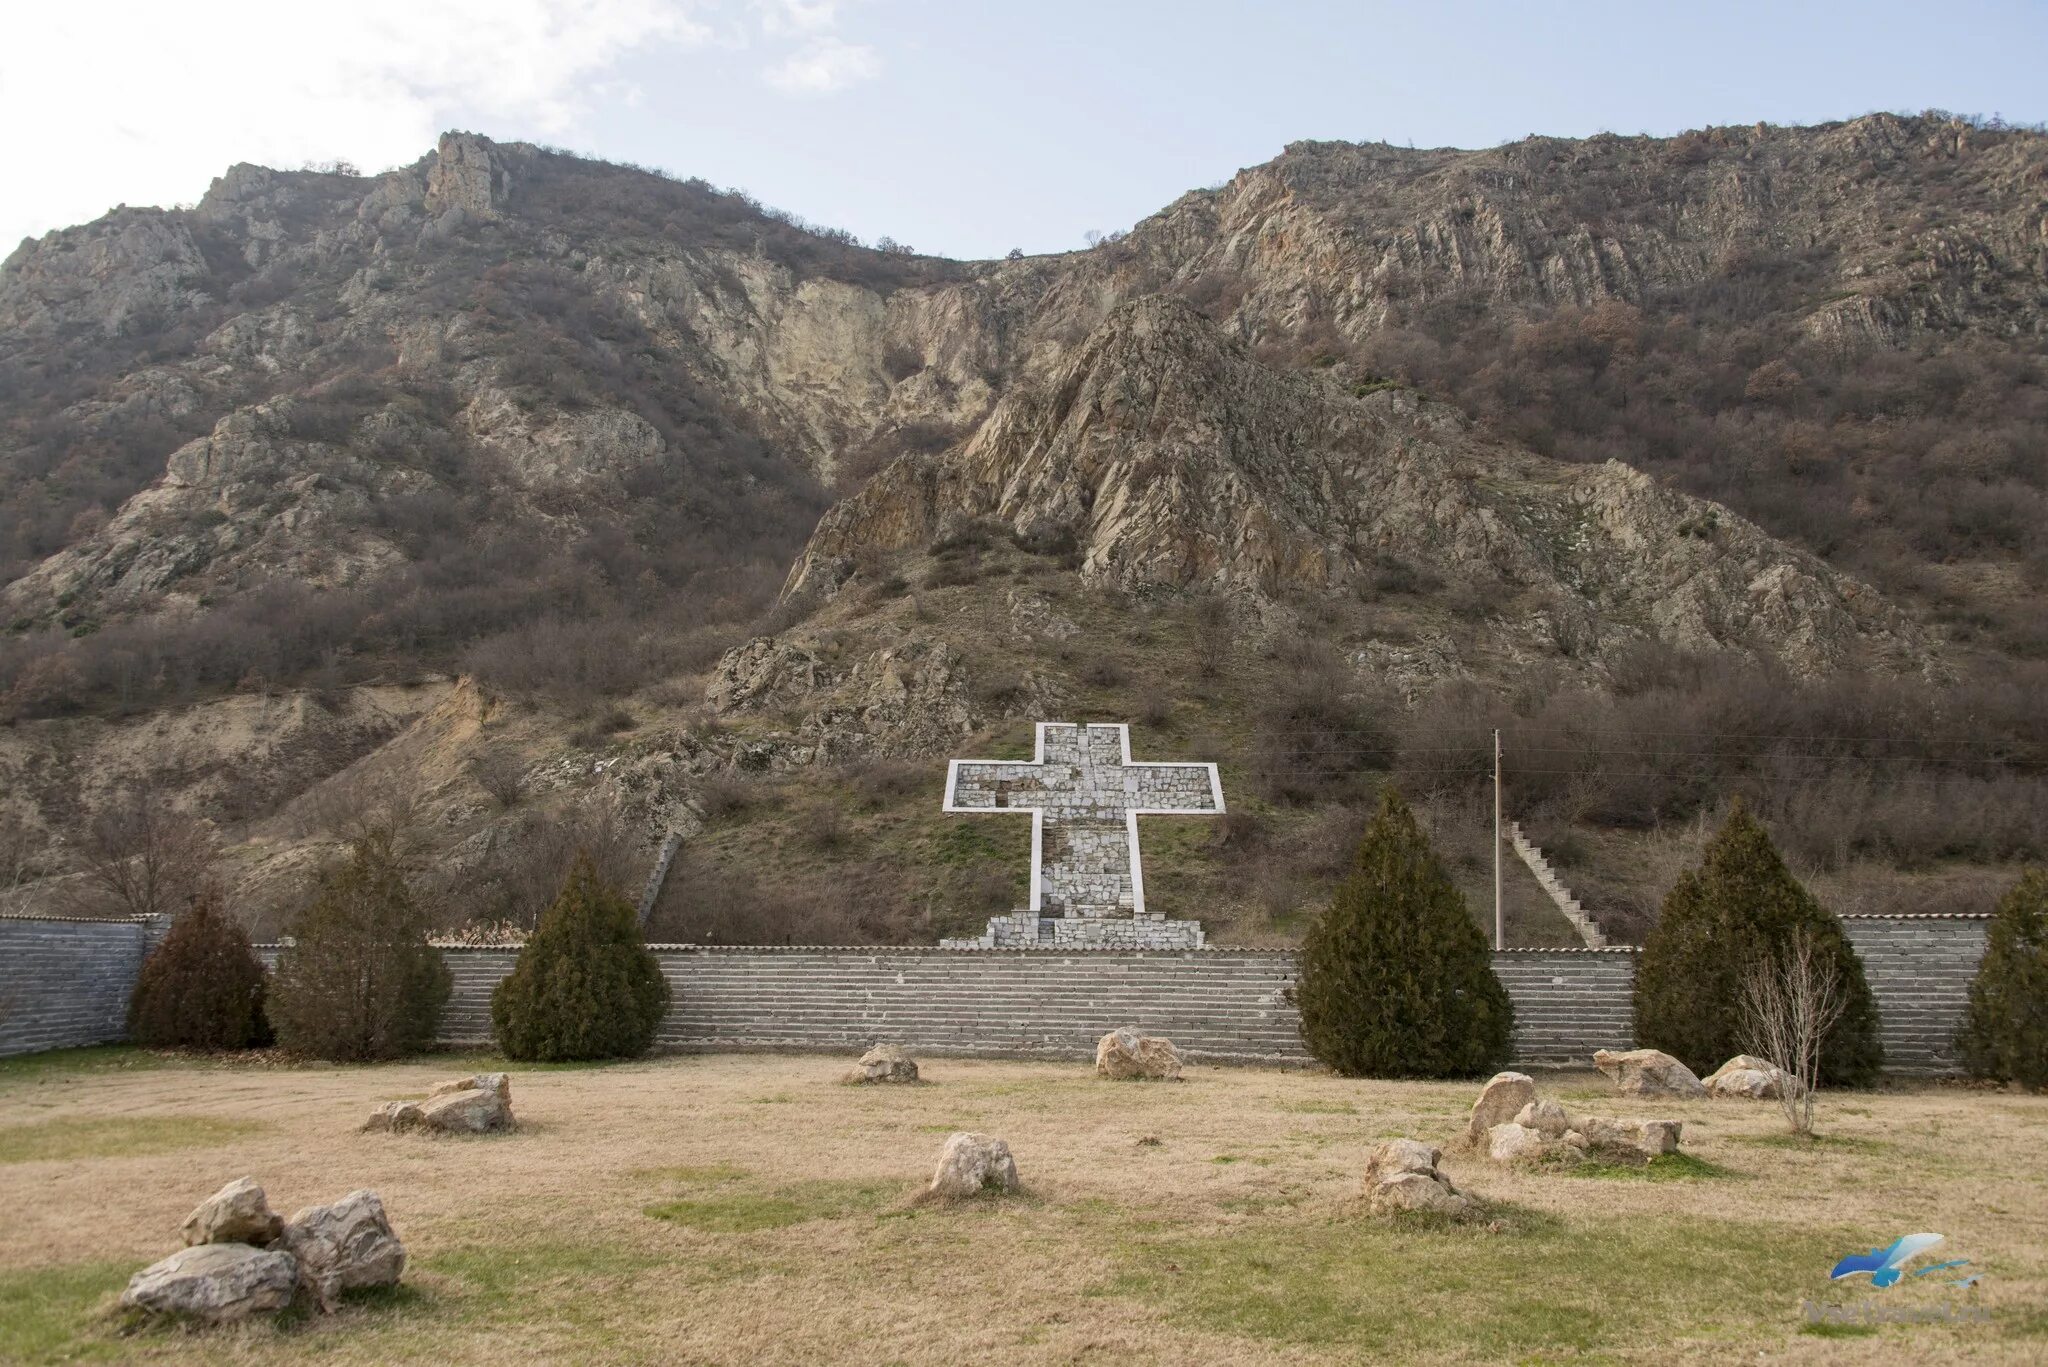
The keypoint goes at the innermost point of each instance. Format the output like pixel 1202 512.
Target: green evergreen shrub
pixel 2005 1031
pixel 359 980
pixel 1737 909
pixel 585 986
pixel 1396 978
pixel 201 987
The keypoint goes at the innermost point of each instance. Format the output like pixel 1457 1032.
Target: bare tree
pixel 144 856
pixel 502 774
pixel 356 807
pixel 1791 1000
pixel 527 864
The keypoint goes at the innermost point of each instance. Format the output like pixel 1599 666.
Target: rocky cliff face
pixel 1169 457
pixel 276 283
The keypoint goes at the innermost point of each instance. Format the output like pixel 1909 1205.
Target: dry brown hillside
pixel 1699 465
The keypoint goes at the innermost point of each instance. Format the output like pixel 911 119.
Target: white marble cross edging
pixel 1084 780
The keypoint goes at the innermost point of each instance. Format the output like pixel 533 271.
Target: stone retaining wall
pixel 66 983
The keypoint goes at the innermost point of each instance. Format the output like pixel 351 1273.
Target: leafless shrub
pixel 501 774
pixel 1790 1001
pixel 142 857
pixel 882 782
pixel 732 794
pixel 528 864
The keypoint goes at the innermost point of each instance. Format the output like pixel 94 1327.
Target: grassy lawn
pixel 751 1209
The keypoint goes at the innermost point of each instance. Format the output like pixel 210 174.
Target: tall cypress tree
pixel 1740 908
pixel 585 986
pixel 2005 1032
pixel 202 988
pixel 1396 978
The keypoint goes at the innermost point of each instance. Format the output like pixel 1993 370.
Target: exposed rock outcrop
pixel 1172 457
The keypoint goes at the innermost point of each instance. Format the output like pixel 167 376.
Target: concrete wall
pixel 66 983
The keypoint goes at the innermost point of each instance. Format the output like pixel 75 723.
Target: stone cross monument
pixel 1085 794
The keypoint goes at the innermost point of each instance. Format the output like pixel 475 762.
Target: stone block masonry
pixel 1084 794
pixel 65 983
pixel 1920 969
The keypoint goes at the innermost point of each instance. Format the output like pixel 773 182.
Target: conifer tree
pixel 1396 978
pixel 585 986
pixel 202 986
pixel 359 980
pixel 1739 908
pixel 2005 1032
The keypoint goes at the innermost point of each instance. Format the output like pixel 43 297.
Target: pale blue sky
pixel 961 128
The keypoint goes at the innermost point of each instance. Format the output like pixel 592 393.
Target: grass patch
pixel 745 1212
pixel 45 1311
pixel 124 1137
pixel 1838 1331
pixel 56 1064
pixel 1406 1289
pixel 1815 1143
pixel 1319 1108
pixel 1665 1167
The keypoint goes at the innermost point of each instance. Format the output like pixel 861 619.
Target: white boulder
pixel 1401 1174
pixel 1751 1078
pixel 884 1063
pixel 344 1246
pixel 1545 1117
pixel 236 1214
pixel 1125 1054
pixel 1648 1072
pixel 474 1111
pixel 972 1164
pixel 215 1283
pixel 1503 1097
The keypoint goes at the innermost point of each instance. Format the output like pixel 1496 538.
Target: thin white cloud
pixel 140 102
pixel 797 18
pixel 823 67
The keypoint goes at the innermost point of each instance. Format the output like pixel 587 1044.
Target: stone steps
pixel 1546 877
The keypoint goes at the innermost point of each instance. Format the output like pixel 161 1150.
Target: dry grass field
pixel 751 1209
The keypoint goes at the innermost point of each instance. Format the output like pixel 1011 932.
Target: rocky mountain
pixel 1168 457
pixel 1768 395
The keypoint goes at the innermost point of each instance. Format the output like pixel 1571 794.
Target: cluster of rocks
pixel 1402 1175
pixel 240 1259
pixel 1514 1125
pixel 478 1104
pixel 1127 1055
pixel 1652 1072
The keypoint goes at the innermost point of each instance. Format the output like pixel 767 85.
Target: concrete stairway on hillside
pixel 1588 928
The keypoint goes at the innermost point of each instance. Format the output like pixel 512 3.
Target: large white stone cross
pixel 1085 794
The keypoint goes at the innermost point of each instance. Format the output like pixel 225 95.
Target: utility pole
pixel 1499 923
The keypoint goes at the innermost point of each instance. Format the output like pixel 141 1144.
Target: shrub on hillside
pixel 1740 907
pixel 585 986
pixel 202 987
pixel 2005 1032
pixel 1396 979
pixel 358 981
